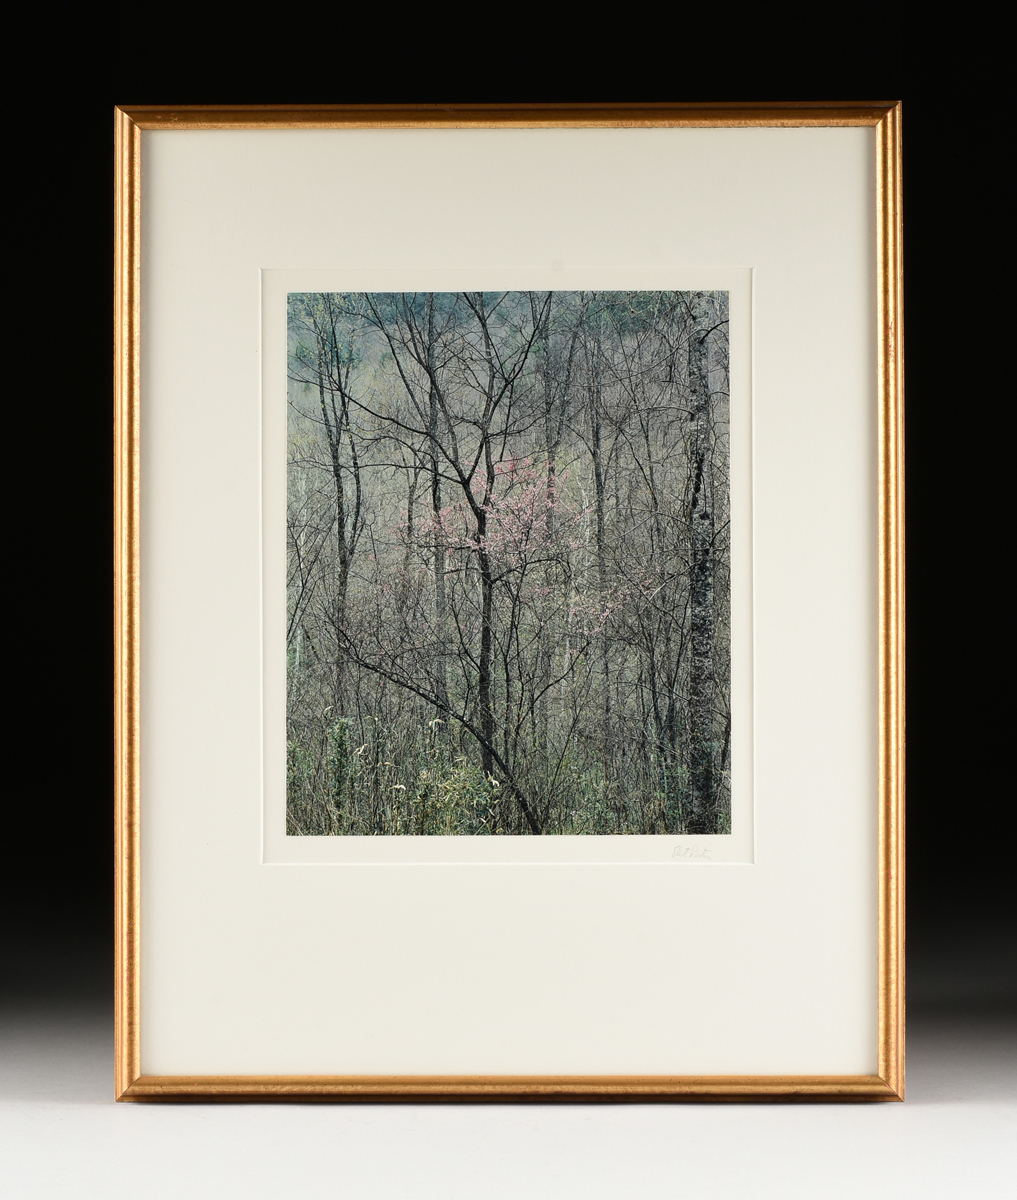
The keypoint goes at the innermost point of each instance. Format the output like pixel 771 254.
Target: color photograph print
pixel 508 563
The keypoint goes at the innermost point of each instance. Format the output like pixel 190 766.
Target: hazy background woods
pixel 508 563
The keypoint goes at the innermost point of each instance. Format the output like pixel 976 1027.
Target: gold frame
pixel 888 1083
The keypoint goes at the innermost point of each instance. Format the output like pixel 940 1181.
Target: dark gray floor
pixel 61 1135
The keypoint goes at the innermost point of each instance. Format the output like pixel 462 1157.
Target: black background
pixel 58 803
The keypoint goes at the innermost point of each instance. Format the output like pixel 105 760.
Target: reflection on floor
pixel 62 1136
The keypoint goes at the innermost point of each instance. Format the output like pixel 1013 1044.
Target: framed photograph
pixel 509 602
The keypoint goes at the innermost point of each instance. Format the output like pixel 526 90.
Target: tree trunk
pixel 702 803
pixel 342 546
pixel 600 489
pixel 486 648
pixel 440 601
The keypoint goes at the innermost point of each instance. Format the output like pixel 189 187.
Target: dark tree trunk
pixel 599 482
pixel 440 601
pixel 342 545
pixel 484 671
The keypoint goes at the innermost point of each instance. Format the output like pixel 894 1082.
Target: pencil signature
pixel 690 852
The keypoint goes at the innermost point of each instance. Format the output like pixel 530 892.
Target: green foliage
pixel 453 796
pixel 432 790
pixel 421 780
